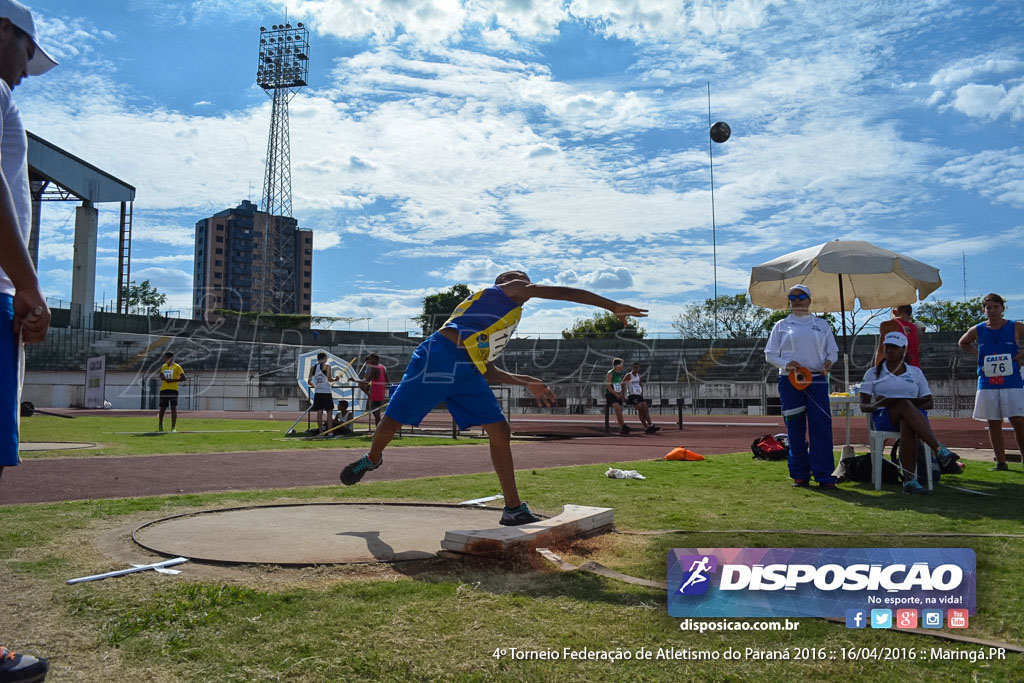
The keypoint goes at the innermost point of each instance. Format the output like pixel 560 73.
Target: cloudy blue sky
pixel 442 141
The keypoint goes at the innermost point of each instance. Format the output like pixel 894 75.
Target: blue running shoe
pixel 521 515
pixel 353 472
pixel 914 487
pixel 21 668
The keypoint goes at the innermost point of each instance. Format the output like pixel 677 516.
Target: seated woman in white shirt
pixel 897 394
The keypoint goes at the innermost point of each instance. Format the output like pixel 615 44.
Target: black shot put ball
pixel 720 132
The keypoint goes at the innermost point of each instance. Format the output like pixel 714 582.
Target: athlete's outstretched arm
pixel 541 392
pixel 524 291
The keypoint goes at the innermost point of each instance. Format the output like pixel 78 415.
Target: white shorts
pixel 996 404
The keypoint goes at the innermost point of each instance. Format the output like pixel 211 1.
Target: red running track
pixel 58 479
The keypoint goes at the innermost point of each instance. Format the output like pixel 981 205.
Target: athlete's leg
pixel 501 458
pixel 382 436
pixel 995 437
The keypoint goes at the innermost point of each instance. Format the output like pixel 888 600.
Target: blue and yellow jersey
pixel 485 322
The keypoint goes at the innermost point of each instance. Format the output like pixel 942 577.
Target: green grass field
pixel 446 619
pixel 137 436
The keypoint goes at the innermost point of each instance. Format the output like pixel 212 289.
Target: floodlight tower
pixel 283 69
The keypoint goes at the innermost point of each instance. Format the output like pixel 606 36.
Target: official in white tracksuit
pixel 804 340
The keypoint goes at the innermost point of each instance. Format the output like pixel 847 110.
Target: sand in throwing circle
pixel 316 533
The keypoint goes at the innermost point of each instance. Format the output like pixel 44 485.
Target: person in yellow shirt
pixel 171 374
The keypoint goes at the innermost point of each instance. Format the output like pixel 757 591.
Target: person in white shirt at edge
pixel 897 396
pixel 635 397
pixel 802 339
pixel 24 316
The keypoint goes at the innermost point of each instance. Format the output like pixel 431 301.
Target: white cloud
pixel 996 174
pixel 324 239
pixel 475 270
pixel 971 69
pixel 615 278
pixel 990 101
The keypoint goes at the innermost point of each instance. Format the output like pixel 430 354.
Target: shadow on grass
pixel 1000 499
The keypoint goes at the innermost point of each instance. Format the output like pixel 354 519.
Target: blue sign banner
pixel 817 582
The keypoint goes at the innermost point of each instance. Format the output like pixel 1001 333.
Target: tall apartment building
pixel 248 260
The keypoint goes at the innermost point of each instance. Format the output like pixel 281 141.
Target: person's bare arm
pixel 884 329
pixel 967 341
pixel 31 314
pixel 1018 330
pixel 540 391
pixel 521 292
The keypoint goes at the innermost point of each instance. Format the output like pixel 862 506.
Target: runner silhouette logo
pixel 696 580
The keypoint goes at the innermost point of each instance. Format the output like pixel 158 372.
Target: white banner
pixel 95 382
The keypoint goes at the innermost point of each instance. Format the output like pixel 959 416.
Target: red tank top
pixel 910 330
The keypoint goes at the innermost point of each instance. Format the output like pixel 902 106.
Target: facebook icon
pixel 856 618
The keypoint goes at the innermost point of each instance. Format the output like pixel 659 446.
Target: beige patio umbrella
pixel 839 273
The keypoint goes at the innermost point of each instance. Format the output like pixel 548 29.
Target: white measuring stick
pixel 481 501
pixel 157 566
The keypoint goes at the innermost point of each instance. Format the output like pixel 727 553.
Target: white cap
pixel 895 338
pixel 803 288
pixel 20 16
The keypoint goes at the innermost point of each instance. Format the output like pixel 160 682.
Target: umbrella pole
pixel 847 448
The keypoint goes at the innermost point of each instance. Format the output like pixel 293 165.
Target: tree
pixel 144 296
pixel 950 316
pixel 437 308
pixel 830 318
pixel 737 319
pixel 604 325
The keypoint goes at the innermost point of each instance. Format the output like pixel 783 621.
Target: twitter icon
pixel 881 618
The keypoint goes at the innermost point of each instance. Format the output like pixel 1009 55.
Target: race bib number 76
pixel 997 365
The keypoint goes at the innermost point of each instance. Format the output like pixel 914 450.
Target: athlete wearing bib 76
pixel 455 364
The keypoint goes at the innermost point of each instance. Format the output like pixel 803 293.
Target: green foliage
pixel 437 308
pixel 144 296
pixel 737 319
pixel 830 318
pixel 134 436
pixel 950 316
pixel 604 325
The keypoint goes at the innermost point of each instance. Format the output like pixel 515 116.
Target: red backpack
pixel 767 447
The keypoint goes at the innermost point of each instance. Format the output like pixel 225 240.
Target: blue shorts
pixel 440 371
pixel 881 421
pixel 10 385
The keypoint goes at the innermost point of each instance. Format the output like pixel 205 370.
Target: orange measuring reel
pixel 800 378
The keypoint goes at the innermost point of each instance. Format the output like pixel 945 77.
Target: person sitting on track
pixel 342 417
pixel 897 396
pixel 454 364
pixel 635 398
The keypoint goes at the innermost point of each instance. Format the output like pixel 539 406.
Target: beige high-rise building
pixel 249 261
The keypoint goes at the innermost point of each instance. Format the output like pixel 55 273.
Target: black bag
pixel 858 468
pixel 950 464
pixel 767 447
pixel 922 473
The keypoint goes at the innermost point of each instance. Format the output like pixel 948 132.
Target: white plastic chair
pixel 876 441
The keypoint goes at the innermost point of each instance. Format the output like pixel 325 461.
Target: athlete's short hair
pixel 511 276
